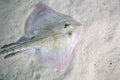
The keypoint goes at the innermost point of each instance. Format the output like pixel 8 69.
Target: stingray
pixel 51 35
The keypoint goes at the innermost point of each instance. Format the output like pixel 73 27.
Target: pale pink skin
pixel 47 59
pixel 63 61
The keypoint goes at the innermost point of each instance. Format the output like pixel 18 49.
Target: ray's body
pixel 53 36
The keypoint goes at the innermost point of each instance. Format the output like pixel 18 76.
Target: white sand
pixel 96 57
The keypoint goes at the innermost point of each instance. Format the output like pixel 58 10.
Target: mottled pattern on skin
pixel 52 35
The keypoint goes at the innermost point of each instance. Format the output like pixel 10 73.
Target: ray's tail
pixel 5 49
pixel 10 47
pixel 8 50
pixel 16 47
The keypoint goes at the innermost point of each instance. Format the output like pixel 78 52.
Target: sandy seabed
pixel 97 55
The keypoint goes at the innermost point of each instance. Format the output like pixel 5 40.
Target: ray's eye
pixel 66 25
pixel 70 33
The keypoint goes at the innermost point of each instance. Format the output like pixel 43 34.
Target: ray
pixel 52 34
